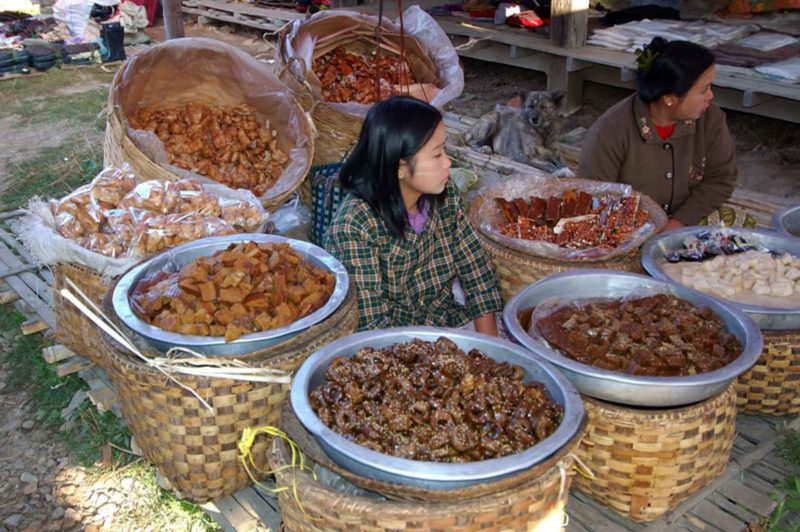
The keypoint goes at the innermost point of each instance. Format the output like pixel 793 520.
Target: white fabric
pixel 766 41
pixel 74 14
pixel 788 69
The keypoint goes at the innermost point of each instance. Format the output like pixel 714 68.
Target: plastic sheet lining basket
pixel 772 386
pixel 194 449
pixel 332 503
pixel 73 329
pixel 649 460
pixel 168 74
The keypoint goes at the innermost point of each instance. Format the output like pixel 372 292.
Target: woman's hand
pixel 486 324
pixel 672 223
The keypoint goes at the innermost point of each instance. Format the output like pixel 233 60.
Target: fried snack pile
pixel 347 77
pixel 658 335
pixel 246 288
pixel 574 219
pixel 226 144
pixel 432 401
pixel 116 217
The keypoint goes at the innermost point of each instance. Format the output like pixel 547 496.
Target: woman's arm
pixel 475 272
pixel 719 175
pixel 350 242
pixel 602 154
pixel 486 324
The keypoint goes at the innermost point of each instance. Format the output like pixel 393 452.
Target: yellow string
pixel 582 468
pixel 297 462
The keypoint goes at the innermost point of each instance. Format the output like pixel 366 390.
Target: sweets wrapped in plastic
pixel 76 214
pixel 110 186
pixel 156 196
pixel 162 232
pixel 106 244
pixel 242 215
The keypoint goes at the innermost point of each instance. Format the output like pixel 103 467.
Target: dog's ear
pixel 557 96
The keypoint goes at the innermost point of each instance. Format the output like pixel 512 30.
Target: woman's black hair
pixel 395 130
pixel 670 68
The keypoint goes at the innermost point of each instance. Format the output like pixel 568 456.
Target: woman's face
pixel 431 169
pixel 696 101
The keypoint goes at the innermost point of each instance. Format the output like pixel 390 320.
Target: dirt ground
pixel 43 489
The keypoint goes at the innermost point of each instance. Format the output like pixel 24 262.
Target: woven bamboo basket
pixel 291 425
pixel 193 448
pixel 646 461
pixel 534 504
pixel 73 329
pixel 516 270
pixel 772 386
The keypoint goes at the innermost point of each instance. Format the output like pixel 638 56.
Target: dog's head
pixel 541 108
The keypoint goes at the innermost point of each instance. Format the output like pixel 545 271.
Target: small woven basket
pixel 649 460
pixel 536 504
pixel 73 329
pixel 193 448
pixel 772 386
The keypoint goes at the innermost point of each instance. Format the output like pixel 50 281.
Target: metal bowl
pixel 787 221
pixel 433 475
pixel 178 257
pixel 620 387
pixel 766 318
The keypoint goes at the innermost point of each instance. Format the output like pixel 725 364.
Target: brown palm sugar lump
pixel 246 288
pixel 432 401
pixel 227 144
pixel 658 335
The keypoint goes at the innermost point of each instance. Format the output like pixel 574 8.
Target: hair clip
pixel 645 58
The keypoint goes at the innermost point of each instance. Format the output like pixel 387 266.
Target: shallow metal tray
pixel 787 221
pixel 178 257
pixel 767 318
pixel 433 475
pixel 616 386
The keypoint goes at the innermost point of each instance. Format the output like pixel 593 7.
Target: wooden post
pixel 568 19
pixel 173 18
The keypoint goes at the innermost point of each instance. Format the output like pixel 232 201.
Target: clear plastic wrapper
pixel 110 186
pixel 242 215
pixel 491 216
pixel 109 241
pixel 167 231
pixel 155 196
pixel 84 215
pixel 215 74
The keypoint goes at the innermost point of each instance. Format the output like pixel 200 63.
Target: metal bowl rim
pixel 653 267
pixel 778 217
pixel 746 359
pixel 437 471
pixel 125 312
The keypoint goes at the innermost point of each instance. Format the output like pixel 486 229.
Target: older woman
pixel 667 140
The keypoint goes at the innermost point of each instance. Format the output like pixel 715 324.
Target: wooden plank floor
pixel 738 499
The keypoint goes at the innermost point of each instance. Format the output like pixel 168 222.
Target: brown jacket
pixel 690 174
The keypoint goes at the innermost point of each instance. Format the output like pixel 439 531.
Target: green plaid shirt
pixel 410 281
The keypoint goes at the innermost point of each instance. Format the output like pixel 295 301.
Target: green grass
pixel 46 100
pixel 788 493
pixel 52 174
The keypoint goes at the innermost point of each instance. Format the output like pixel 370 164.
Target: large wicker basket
pixel 772 386
pixel 536 504
pixel 194 449
pixel 649 460
pixel 154 78
pixel 73 329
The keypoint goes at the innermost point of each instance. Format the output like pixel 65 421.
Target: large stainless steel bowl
pixel 433 475
pixel 767 318
pixel 788 221
pixel 620 387
pixel 178 257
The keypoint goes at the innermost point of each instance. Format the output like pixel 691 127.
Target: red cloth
pixel 150 6
pixel 665 132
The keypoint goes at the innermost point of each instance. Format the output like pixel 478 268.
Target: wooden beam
pixel 568 20
pixel 72 365
pixel 173 18
pixel 56 353
pixel 33 326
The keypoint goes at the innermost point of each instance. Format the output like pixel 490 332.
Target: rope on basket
pixel 199 366
pixel 298 462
